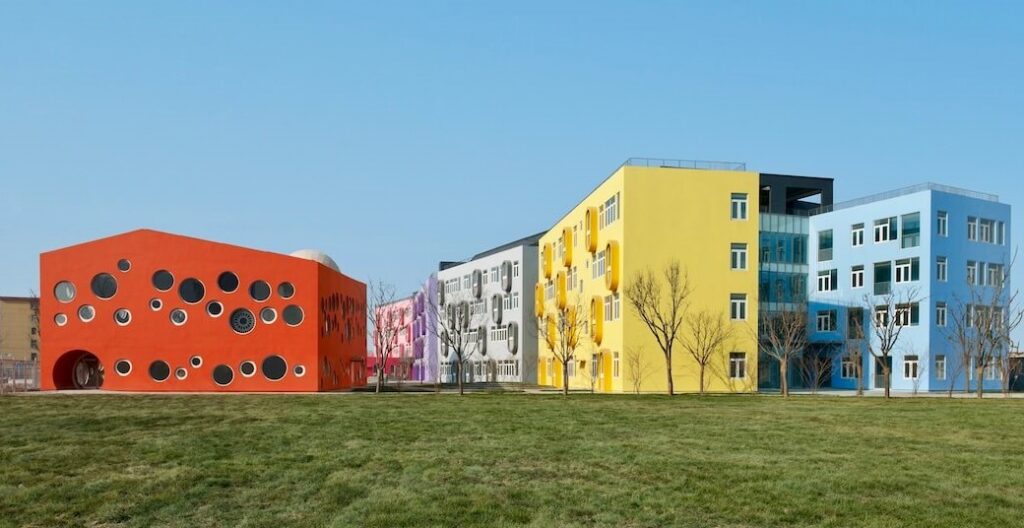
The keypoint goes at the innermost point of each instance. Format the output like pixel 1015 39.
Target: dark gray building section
pixel 794 195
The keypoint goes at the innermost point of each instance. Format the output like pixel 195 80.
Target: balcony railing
pixel 686 164
pixel 902 192
pixel 883 288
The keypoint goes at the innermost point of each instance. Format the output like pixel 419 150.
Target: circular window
pixel 227 282
pixel 274 367
pixel 124 265
pixel 195 361
pixel 60 319
pixel 268 315
pixel 292 315
pixel 180 373
pixel 155 304
pixel 247 368
pixel 163 280
pixel 104 285
pixel 191 290
pixel 299 371
pixel 86 313
pixel 259 291
pixel 159 370
pixel 214 309
pixel 122 316
pixel 123 367
pixel 285 290
pixel 64 291
pixel 222 375
pixel 242 321
pixel 178 316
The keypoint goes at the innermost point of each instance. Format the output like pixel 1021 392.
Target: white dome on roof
pixel 317 256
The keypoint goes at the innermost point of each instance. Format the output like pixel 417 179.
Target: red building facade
pixel 152 311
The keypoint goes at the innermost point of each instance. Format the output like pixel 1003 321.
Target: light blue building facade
pixel 927 239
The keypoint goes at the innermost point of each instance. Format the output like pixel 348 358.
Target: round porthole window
pixel 274 367
pixel 86 313
pixel 268 315
pixel 285 290
pixel 223 375
pixel 60 319
pixel 299 371
pixel 124 265
pixel 292 315
pixel 159 370
pixel 178 316
pixel 155 304
pixel 180 373
pixel 227 282
pixel 122 316
pixel 163 280
pixel 123 367
pixel 247 368
pixel 259 291
pixel 191 290
pixel 242 321
pixel 104 285
pixel 64 291
pixel 214 309
pixel 195 361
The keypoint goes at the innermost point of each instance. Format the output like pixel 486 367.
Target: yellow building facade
pixel 19 328
pixel 643 218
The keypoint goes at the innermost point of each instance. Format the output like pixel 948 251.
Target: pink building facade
pixel 400 364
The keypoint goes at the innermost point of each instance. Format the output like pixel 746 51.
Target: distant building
pixel 396 317
pixel 425 343
pixel 19 328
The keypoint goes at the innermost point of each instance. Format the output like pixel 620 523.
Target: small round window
pixel 124 265
pixel 274 367
pixel 155 304
pixel 227 282
pixel 268 315
pixel 178 316
pixel 180 373
pixel 292 315
pixel 122 316
pixel 64 291
pixel 191 290
pixel 60 319
pixel 247 368
pixel 299 371
pixel 259 291
pixel 242 321
pixel 223 375
pixel 163 280
pixel 104 285
pixel 86 313
pixel 159 370
pixel 123 367
pixel 195 361
pixel 214 309
pixel 285 290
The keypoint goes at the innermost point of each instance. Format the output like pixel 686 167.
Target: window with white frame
pixel 617 305
pixel 994 274
pixel 739 206
pixel 848 368
pixel 515 268
pixel 857 277
pixel 738 306
pixel 985 230
pixel 885 229
pixel 941 269
pixel 827 280
pixel 611 210
pixel 972 273
pixel 972 228
pixel 737 365
pixel 857 235
pixel 515 300
pixel 910 367
pixel 607 307
pixel 1001 233
pixel 940 367
pixel 908 270
pixel 907 314
pixel 942 223
pixel 826 321
pixel 738 254
pixel 599 265
pixel 467 280
pixel 940 313
pixel 881 316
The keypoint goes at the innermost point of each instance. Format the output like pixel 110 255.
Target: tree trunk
pixel 888 378
pixel 565 377
pixel 981 385
pixel 860 377
pixel 967 376
pixel 701 379
pixel 462 390
pixel 668 369
pixel 380 378
pixel 783 378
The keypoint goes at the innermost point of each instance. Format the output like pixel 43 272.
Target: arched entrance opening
pixel 78 369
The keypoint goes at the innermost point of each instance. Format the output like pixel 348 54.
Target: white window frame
pixel 738 256
pixel 941 269
pixel 911 367
pixel 941 314
pixel 739 206
pixel 942 224
pixel 857 277
pixel 940 367
pixel 738 307
pixel 737 365
pixel 857 235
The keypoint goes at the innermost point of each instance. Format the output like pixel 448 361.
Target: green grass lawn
pixel 509 460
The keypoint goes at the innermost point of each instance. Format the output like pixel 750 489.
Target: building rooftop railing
pixel 902 192
pixel 685 164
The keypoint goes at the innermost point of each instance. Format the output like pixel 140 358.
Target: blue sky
pixel 349 128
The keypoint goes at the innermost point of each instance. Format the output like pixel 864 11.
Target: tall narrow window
pixel 883 278
pixel 857 235
pixel 972 228
pixel 857 277
pixel 738 306
pixel 972 273
pixel 739 256
pixel 737 365
pixel 911 234
pixel 941 269
pixel 824 245
pixel 615 364
pixel 940 367
pixel 855 323
pixel 739 206
pixel 942 223
pixel 826 321
pixel 910 367
pixel 940 314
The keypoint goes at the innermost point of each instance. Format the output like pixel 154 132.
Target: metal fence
pixel 902 192
pixel 686 164
pixel 18 376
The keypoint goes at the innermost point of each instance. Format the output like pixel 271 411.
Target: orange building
pixel 152 311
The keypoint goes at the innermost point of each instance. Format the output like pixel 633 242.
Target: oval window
pixel 274 367
pixel 259 291
pixel 228 282
pixel 64 291
pixel 292 315
pixel 191 290
pixel 104 285
pixel 299 371
pixel 163 280
pixel 60 319
pixel 155 304
pixel 180 373
pixel 159 370
pixel 195 361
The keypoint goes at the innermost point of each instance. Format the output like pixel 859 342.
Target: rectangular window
pixel 738 306
pixel 985 229
pixel 1001 233
pixel 883 278
pixel 826 321
pixel 607 307
pixel 910 367
pixel 972 273
pixel 615 364
pixel 849 370
pixel 598 266
pixel 855 323
pixel 857 235
pixel 994 274
pixel 972 228
pixel 738 256
pixel 907 314
pixel 515 268
pixel 737 365
pixel 739 206
pixel 885 229
pixel 617 305
pixel 908 270
pixel 941 269
pixel 940 367
pixel 911 234
pixel 824 245
pixel 942 223
pixel 857 277
pixel 827 280
pixel 940 314
pixel 881 316
pixel 600 216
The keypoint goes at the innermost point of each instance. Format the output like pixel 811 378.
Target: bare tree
pixel 562 332
pixel 637 368
pixel 385 325
pixel 891 313
pixel 783 337
pixel 1010 370
pixel 592 372
pixel 663 311
pixel 815 370
pixel 708 333
pixel 853 346
pixel 461 329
